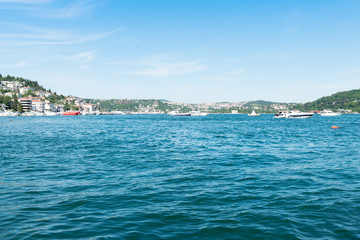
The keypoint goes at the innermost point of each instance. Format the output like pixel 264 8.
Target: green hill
pixel 26 83
pixel 259 103
pixel 341 100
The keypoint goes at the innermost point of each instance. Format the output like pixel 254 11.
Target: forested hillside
pixel 341 100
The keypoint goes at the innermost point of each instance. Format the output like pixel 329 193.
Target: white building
pixel 48 94
pixel 25 90
pixel 38 105
pixel 50 106
pixel 89 108
pixel 11 85
pixel 40 93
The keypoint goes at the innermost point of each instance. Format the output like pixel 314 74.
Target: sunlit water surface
pixel 162 177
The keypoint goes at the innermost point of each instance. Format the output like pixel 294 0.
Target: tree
pixel 15 103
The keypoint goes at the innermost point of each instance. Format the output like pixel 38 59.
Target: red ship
pixel 70 113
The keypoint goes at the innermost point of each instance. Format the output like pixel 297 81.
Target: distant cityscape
pixel 27 97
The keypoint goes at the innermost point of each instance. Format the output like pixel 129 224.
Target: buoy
pixel 335 127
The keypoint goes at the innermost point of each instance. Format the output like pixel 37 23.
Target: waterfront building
pixel 50 106
pixel 38 105
pixel 89 108
pixel 26 104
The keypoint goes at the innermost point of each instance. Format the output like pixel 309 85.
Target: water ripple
pixel 161 177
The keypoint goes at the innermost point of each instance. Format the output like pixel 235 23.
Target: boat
pixel 49 113
pixel 280 114
pixel 176 113
pixel 70 113
pixel 253 114
pixel 293 114
pixel 198 114
pixel 329 113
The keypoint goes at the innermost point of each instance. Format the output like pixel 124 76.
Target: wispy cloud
pixel 39 36
pixel 357 70
pixel 162 69
pixel 239 71
pixel 46 8
pixel 69 11
pixel 83 58
pixel 20 64
pixel 25 1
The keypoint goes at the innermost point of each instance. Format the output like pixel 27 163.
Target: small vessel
pixel 176 113
pixel 329 113
pixel 253 114
pixel 70 113
pixel 49 113
pixel 198 114
pixel 280 114
pixel 293 114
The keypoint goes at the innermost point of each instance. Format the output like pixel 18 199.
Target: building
pixel 40 93
pixel 10 94
pixel 38 105
pixel 50 106
pixel 12 85
pixel 25 90
pixel 89 108
pixel 26 104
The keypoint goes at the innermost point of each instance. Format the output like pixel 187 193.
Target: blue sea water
pixel 162 177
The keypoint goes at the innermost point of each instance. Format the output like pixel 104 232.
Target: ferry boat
pixel 70 113
pixel 176 113
pixel 253 114
pixel 329 113
pixel 198 114
pixel 293 114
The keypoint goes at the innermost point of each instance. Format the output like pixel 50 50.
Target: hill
pixel 259 103
pixel 25 82
pixel 341 100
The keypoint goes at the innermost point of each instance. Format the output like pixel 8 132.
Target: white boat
pixel 198 114
pixel 293 114
pixel 329 113
pixel 176 113
pixel 49 113
pixel 253 114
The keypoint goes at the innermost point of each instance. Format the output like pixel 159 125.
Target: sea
pixel 165 177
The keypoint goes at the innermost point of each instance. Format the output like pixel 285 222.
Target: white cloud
pixel 162 69
pixel 82 59
pixel 25 1
pixel 239 71
pixel 72 10
pixel 84 56
pixel 20 64
pixel 39 36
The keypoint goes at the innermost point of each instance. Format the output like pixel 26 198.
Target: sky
pixel 191 51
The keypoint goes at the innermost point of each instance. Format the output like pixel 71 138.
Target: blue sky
pixel 190 50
